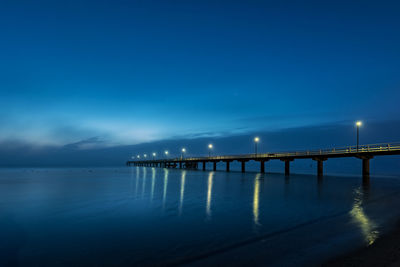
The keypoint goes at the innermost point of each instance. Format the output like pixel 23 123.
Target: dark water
pixel 149 216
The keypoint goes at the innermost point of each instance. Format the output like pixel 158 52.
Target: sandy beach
pixel 384 252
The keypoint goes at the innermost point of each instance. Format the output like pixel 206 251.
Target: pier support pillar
pixel 204 165
pixel 320 168
pixel 243 166
pixel 262 166
pixel 180 164
pixel 365 171
pixel 365 167
pixel 227 166
pixel 320 165
pixel 287 166
pixel 214 165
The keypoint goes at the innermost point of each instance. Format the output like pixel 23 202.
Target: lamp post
pixel 210 147
pixel 256 140
pixel 183 151
pixel 154 155
pixel 358 125
pixel 166 153
pixel 145 155
pixel 138 156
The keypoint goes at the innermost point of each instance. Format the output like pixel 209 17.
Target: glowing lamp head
pixel 166 152
pixel 183 150
pixel 359 123
pixel 145 155
pixel 256 139
pixel 154 154
pixel 138 156
pixel 210 146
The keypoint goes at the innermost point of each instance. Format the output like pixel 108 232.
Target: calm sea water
pixel 153 216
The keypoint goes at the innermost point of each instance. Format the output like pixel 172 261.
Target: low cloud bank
pixel 85 153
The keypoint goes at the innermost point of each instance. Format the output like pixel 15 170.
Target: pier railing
pixel 373 148
pixel 363 152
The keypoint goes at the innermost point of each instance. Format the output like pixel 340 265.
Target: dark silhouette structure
pixel 363 152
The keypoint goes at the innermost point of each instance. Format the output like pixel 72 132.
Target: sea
pixel 144 216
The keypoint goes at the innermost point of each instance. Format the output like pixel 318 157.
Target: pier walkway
pixel 362 152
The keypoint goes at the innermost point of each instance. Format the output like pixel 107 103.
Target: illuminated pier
pixel 362 152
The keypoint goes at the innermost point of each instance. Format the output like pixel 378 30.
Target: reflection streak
pixel 182 191
pixel 165 185
pixel 367 226
pixel 209 192
pixel 144 180
pixel 137 180
pixel 256 196
pixel 153 182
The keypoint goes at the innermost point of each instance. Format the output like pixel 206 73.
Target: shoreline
pixel 384 252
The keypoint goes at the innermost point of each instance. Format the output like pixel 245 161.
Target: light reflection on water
pixel 367 226
pixel 153 182
pixel 137 180
pixel 183 177
pixel 209 194
pixel 165 187
pixel 256 196
pixel 144 179
pixel 174 214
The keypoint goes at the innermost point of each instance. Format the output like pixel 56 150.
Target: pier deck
pixel 362 152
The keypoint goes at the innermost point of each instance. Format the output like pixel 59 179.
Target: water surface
pixel 153 216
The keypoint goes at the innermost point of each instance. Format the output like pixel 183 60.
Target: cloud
pixel 97 151
pixel 90 143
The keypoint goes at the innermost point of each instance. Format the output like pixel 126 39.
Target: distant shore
pixel 384 252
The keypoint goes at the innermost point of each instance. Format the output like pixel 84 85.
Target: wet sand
pixel 384 252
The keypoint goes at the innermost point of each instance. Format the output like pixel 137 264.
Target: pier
pixel 362 152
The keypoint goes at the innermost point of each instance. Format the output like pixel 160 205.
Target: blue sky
pixel 131 72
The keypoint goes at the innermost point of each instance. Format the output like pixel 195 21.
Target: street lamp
pixel 166 153
pixel 183 151
pixel 145 155
pixel 358 125
pixel 256 140
pixel 138 156
pixel 210 147
pixel 154 155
